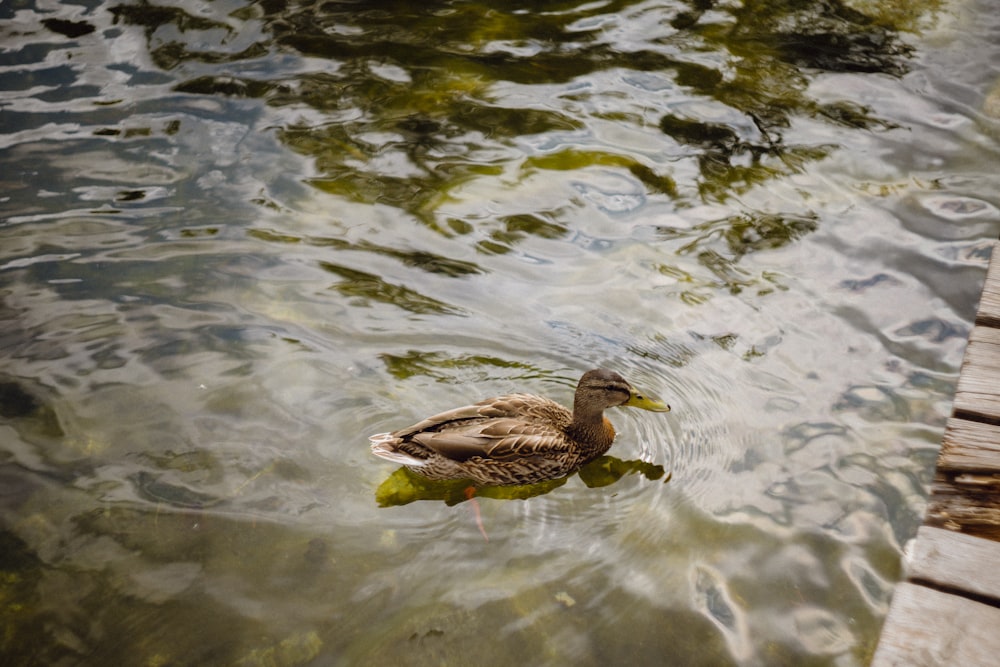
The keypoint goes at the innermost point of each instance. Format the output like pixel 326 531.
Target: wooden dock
pixel 947 611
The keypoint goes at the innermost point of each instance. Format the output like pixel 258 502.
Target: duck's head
pixel 600 388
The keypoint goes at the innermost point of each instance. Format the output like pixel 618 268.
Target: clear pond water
pixel 238 237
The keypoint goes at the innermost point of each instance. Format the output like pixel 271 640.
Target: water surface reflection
pixel 238 237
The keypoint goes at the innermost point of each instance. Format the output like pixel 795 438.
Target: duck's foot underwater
pixel 470 495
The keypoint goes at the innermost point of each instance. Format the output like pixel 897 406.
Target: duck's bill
pixel 637 400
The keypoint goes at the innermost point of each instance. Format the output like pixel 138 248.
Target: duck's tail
pixel 384 446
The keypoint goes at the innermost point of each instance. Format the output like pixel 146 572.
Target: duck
pixel 515 439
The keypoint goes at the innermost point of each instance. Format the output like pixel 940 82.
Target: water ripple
pixel 237 238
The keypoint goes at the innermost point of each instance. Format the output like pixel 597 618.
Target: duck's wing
pixel 513 406
pixel 496 438
pixel 505 427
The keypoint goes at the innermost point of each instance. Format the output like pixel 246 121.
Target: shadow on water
pixel 403 486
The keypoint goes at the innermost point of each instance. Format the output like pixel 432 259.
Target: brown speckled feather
pixel 505 427
pixel 513 439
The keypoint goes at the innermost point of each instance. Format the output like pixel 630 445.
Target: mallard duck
pixel 517 438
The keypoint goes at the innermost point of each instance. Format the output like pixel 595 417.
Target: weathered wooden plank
pixel 928 628
pixel 952 560
pixel 978 391
pixel 966 501
pixel 989 303
pixel 969 445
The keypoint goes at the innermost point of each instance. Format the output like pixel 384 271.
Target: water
pixel 237 238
